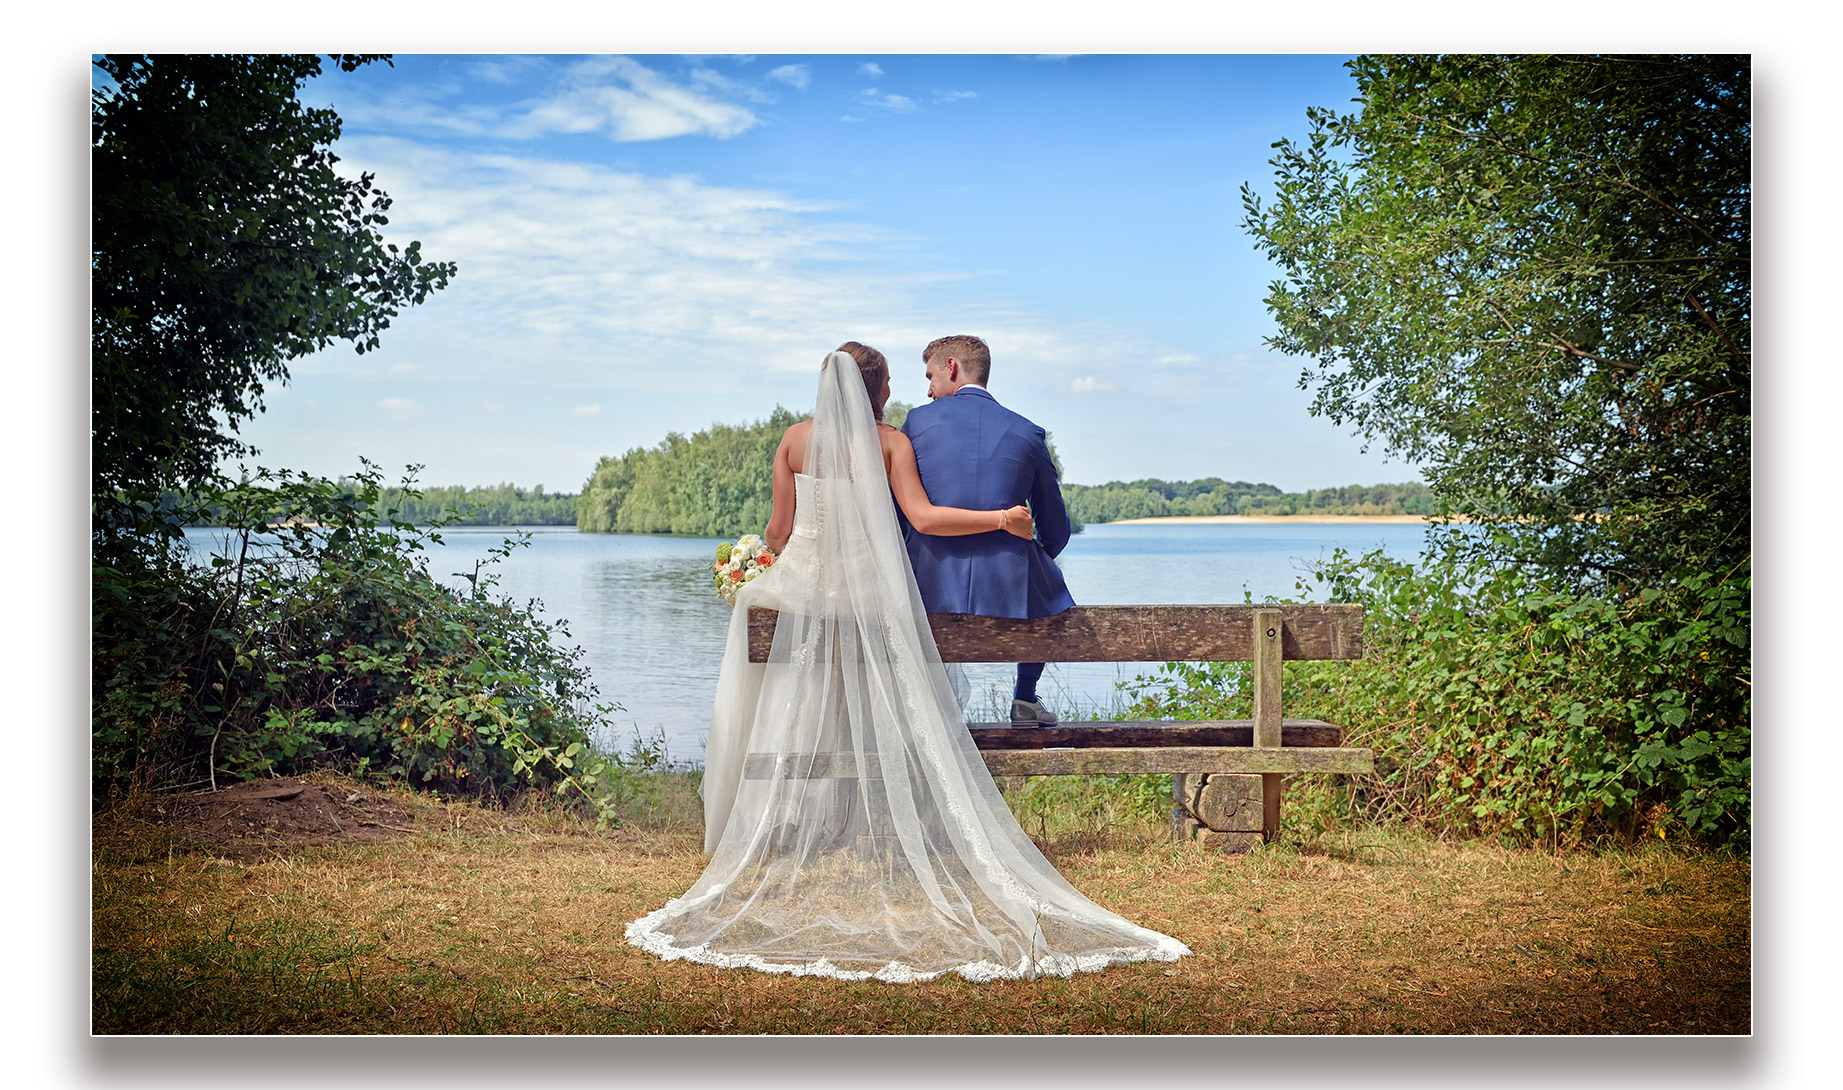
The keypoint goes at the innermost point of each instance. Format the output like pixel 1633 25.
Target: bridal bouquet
pixel 740 562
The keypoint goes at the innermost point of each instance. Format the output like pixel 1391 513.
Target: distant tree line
pixel 1153 498
pixel 720 482
pixel 453 505
pixel 717 483
pixel 492 505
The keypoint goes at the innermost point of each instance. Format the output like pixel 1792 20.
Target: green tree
pixel 223 244
pixel 1531 275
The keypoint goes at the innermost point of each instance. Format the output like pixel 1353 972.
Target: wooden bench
pixel 1227 772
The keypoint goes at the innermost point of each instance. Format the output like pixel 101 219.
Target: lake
pixel 644 610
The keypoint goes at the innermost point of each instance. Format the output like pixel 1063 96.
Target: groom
pixel 974 452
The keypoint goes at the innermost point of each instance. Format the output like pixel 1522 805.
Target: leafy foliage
pixel 223 244
pixel 321 640
pixel 1531 276
pixel 1501 703
pixel 718 483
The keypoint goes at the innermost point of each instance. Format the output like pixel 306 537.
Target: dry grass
pixel 485 922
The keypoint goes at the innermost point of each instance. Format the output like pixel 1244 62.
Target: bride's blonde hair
pixel 876 372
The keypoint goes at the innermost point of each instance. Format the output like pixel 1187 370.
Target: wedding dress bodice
pixel 807 515
pixel 796 571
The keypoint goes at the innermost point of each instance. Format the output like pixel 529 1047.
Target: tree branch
pixel 1745 359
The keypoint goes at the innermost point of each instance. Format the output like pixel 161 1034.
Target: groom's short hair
pixel 975 358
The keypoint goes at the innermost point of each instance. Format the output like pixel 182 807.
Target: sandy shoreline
pixel 1257 520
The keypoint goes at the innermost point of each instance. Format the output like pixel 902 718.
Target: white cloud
pixel 403 368
pixel 506 69
pixel 399 408
pixel 586 410
pixel 871 69
pixel 615 95
pixel 491 406
pixel 872 97
pixel 710 79
pixel 794 75
pixel 1089 385
pixel 954 96
pixel 576 274
pixel 631 102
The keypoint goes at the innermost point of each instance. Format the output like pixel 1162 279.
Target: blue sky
pixel 656 243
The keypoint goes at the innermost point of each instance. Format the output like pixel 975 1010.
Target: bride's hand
pixel 1017 521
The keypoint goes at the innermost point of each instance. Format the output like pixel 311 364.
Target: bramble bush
pixel 322 641
pixel 1499 703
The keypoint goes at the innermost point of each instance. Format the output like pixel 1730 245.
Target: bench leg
pixel 1269 654
pixel 1270 806
pixel 1222 812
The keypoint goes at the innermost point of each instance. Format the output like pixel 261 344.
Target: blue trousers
pixel 1027 675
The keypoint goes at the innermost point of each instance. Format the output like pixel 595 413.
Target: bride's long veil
pixel 867 838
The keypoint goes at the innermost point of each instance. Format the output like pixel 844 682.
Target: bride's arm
pixel 781 519
pixel 905 483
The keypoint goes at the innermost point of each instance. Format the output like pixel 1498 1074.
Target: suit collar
pixel 978 391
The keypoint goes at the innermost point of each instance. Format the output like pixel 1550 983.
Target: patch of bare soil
pixel 252 819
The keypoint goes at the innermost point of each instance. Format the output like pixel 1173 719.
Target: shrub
pixel 1500 704
pixel 321 640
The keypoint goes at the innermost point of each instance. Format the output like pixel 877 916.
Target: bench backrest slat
pixel 1126 634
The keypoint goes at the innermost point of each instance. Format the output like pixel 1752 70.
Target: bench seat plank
pixel 1125 634
pixel 1105 760
pixel 1191 759
pixel 1190 732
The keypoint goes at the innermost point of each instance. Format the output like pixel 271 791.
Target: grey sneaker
pixel 1024 713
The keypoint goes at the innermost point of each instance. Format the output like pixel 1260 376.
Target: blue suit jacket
pixel 974 452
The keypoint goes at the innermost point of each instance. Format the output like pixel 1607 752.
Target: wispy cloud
pixel 871 69
pixel 900 104
pixel 1089 385
pixel 587 410
pixel 614 95
pixel 793 75
pixel 954 96
pixel 576 274
pixel 399 408
pixel 630 101
pixel 506 69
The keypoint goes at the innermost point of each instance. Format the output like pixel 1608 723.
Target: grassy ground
pixel 480 921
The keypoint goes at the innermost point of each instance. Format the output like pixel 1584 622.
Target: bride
pixel 854 831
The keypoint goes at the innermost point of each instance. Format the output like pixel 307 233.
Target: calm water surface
pixel 643 609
